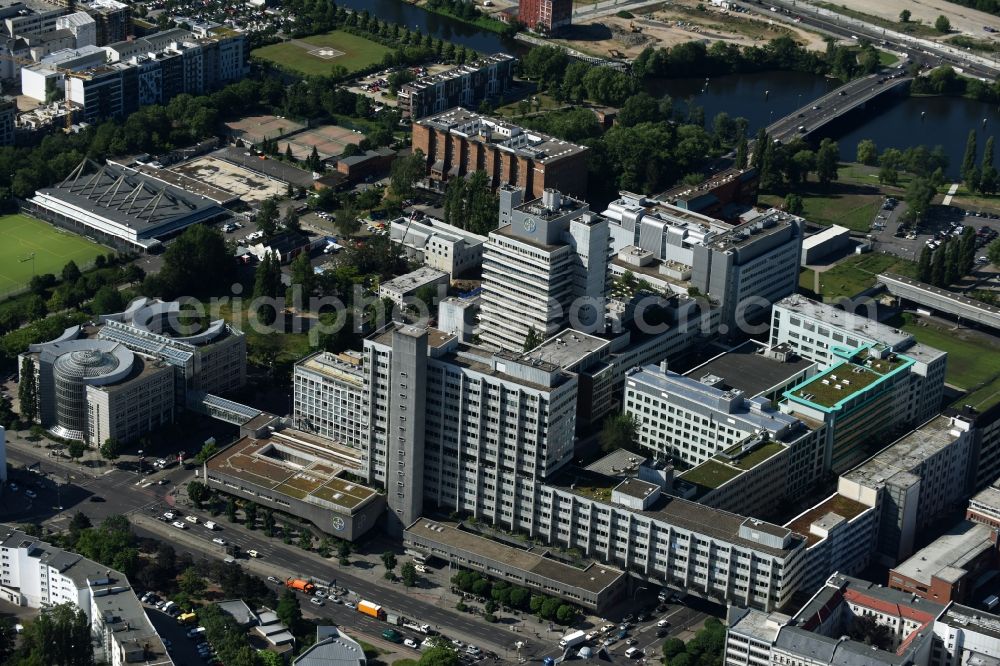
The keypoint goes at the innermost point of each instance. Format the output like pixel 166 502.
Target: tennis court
pixel 329 140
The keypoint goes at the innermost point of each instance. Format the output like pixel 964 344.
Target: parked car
pixel 410 643
pixel 316 601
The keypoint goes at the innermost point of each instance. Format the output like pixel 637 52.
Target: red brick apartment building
pixel 545 15
pixel 458 142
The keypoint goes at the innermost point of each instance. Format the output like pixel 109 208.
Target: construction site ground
pixel 671 23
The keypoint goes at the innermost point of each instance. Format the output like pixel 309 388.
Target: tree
pixel 904 16
pixel 918 197
pixel 268 522
pixel 344 552
pixel 288 610
pixel 27 391
pixel 8 638
pixel 741 152
pixel 59 636
pixel 389 560
pixel 618 432
pixel 942 24
pixel 79 522
pixel 532 339
pixel 191 583
pixel 250 510
pixel 409 574
pixel 267 218
pixel 565 614
pixel 231 510
pixel 793 203
pixel 198 492
pixel 969 158
pixel 197 262
pixel 951 259
pixel 291 220
pixel 937 268
pixel 405 173
pixel 70 272
pixel 993 252
pixel 924 265
pixel 208 450
pixel 107 300
pixel 672 647
pixel 288 153
pixel 867 152
pixel 111 449
pixel 827 160
pixel 440 655
pixel 76 449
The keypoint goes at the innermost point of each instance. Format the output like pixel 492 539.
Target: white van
pixel 210 525
pixel 633 652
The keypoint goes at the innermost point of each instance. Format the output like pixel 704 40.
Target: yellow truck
pixel 187 618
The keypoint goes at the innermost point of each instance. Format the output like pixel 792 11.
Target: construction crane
pixel 67 75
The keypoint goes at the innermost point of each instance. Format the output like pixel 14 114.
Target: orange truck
pixel 374 610
pixel 300 585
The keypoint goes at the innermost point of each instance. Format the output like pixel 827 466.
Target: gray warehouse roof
pixel 129 199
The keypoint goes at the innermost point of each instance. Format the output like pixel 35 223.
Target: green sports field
pixel 23 235
pixel 318 55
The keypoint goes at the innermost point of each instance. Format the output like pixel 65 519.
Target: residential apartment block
pixel 828 628
pixel 545 16
pixel 328 398
pixel 148 70
pixel 544 269
pixel 467 85
pixel 36 574
pixel 458 142
pixel 742 268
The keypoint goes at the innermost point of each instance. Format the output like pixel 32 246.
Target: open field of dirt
pixel 676 22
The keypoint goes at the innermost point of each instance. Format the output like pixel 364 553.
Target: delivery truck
pixel 371 609
pixel 300 585
pixel 572 639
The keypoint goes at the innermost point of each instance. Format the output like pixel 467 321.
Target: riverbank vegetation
pixel 467 12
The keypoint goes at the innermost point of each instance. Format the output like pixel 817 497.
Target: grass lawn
pixel 358 53
pixel 852 201
pixel 807 279
pixel 885 58
pixel 857 273
pixel 916 28
pixel 982 399
pixel 52 248
pixel 973 360
pixel 710 474
pixel 963 198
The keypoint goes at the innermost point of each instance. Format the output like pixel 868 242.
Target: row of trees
pixel 506 595
pixel 984 177
pixel 950 261
pixel 788 165
pixel 72 288
pixel 695 58
pixel 705 649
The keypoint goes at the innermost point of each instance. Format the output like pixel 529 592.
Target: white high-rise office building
pixel 544 269
pixel 465 428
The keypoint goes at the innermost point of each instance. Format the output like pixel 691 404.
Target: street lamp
pixel 140 464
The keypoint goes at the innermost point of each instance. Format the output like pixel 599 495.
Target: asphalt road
pixel 283 561
pixel 923 52
pixel 828 107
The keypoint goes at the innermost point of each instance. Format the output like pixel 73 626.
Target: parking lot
pixel 939 222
